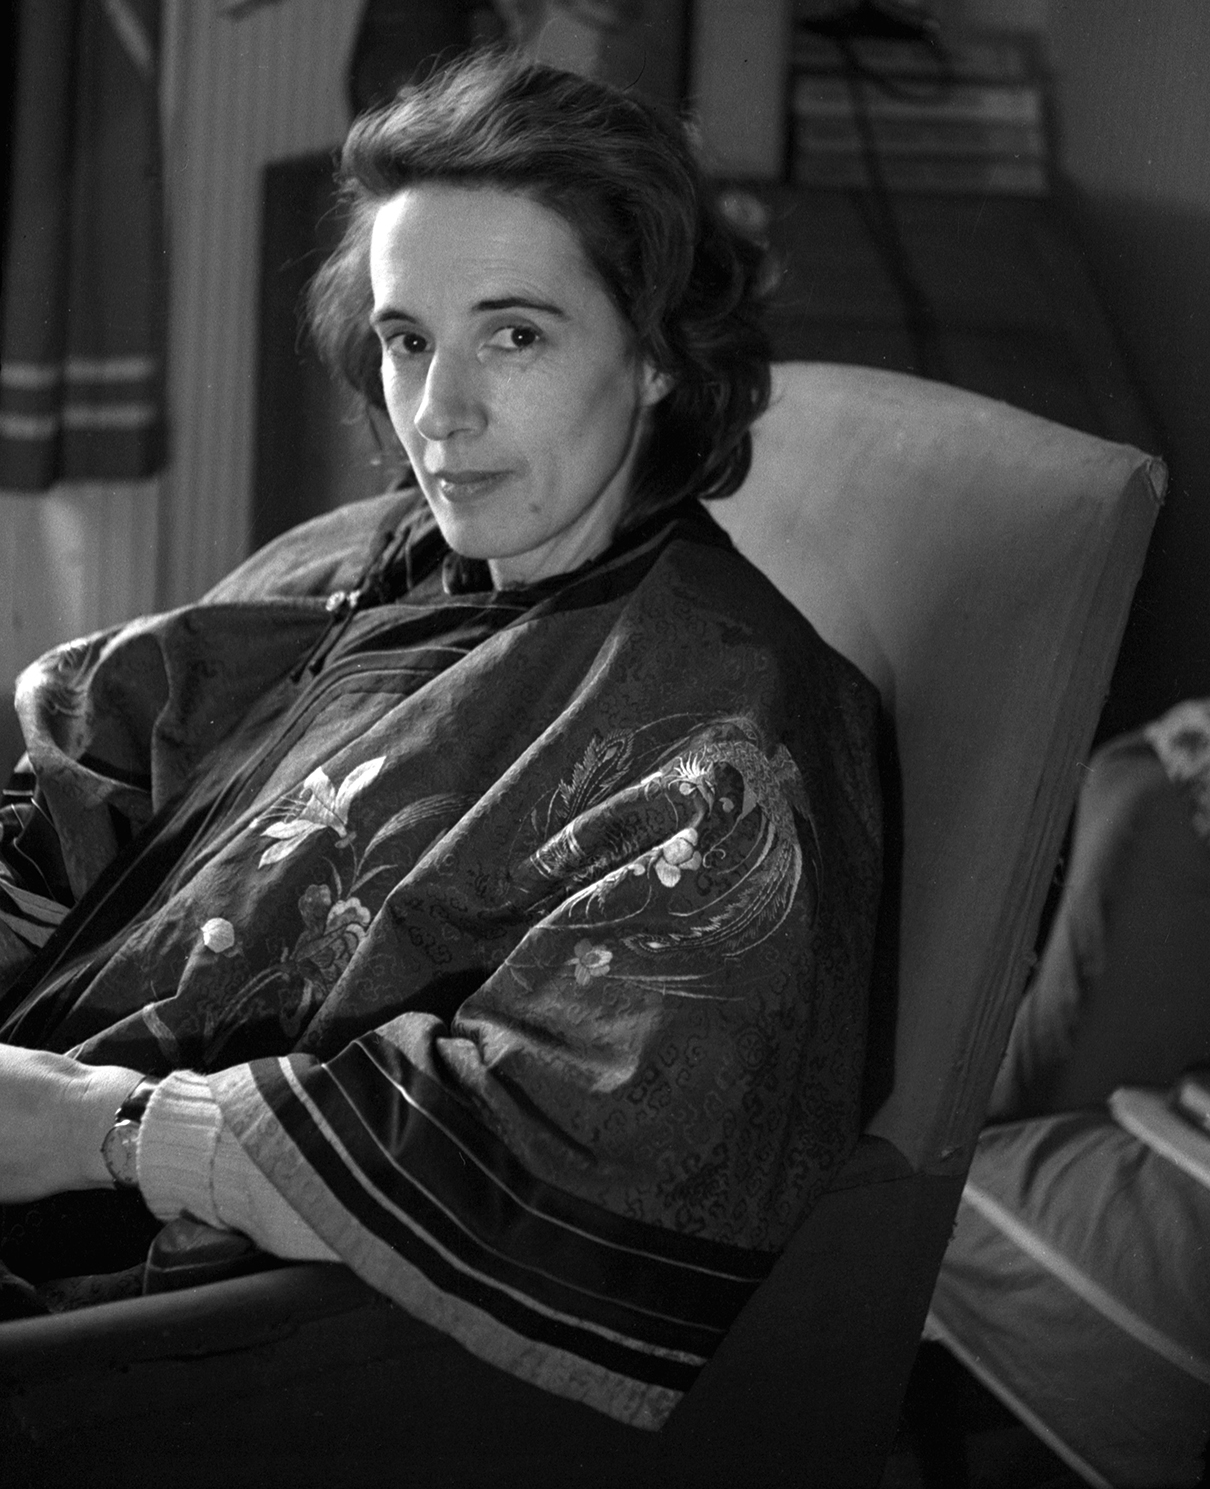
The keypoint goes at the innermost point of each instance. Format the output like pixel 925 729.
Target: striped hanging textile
pixel 81 355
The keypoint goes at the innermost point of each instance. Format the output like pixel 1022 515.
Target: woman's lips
pixel 460 485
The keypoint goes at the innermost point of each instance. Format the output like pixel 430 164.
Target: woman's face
pixel 509 377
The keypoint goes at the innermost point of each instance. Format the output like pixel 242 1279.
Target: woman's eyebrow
pixel 519 302
pixel 389 313
pixel 504 302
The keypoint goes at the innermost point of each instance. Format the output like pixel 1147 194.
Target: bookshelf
pixel 960 114
pixel 918 222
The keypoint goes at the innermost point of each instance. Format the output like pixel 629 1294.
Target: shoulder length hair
pixel 623 174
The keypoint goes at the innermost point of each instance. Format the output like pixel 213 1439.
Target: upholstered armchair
pixel 977 563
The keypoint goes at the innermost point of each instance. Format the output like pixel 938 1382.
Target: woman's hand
pixel 54 1114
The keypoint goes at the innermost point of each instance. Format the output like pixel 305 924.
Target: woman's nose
pixel 450 403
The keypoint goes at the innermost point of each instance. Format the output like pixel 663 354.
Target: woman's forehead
pixel 464 243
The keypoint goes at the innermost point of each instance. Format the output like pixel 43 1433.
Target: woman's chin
pixel 475 527
pixel 469 540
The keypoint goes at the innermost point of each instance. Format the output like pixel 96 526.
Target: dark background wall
pixel 1132 99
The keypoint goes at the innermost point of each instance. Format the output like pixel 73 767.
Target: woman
pixel 495 917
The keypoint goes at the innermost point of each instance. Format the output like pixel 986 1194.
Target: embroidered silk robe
pixel 527 932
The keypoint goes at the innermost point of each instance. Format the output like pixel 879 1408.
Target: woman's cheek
pixel 395 396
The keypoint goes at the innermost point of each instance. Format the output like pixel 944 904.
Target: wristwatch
pixel 120 1149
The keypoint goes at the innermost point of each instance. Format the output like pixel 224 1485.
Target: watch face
pixel 120 1152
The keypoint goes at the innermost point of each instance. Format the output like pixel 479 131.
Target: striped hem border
pixel 612 1333
pixel 444 1187
pixel 715 1260
pixel 474 1321
pixel 562 1372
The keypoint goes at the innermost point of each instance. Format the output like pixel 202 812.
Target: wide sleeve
pixel 585 1172
pixel 189 1164
pixel 34 891
pixel 116 724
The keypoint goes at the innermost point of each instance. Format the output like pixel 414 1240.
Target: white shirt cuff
pixel 188 1162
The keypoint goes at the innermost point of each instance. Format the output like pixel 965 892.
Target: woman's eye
pixel 406 343
pixel 515 338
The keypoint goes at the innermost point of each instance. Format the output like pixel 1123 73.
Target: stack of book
pixel 966 120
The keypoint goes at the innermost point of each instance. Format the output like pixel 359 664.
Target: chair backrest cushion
pixel 976 562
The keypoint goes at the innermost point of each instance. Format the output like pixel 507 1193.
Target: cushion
pixel 976 563
pixel 1122 993
pixel 1075 1289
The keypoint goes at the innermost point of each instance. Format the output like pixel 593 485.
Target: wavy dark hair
pixel 623 175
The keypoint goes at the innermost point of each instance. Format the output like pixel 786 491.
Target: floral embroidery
pixel 720 807
pixel 689 774
pixel 333 933
pixel 678 855
pixel 274 986
pixel 288 992
pixel 589 961
pixel 322 805
pixel 219 935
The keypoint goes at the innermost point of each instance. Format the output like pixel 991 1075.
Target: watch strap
pixel 120 1147
pixel 135 1105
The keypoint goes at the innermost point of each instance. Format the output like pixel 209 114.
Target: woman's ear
pixel 653 386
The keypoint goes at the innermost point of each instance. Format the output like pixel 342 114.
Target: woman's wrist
pixel 54 1114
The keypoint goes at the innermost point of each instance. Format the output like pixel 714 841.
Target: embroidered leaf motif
pixel 318 805
pixel 605 763
pixel 356 780
pixel 409 816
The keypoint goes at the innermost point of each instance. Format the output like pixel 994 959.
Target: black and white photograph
pixel 605 744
